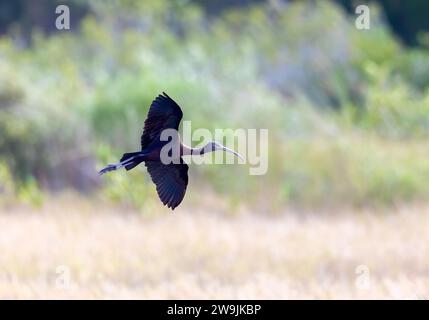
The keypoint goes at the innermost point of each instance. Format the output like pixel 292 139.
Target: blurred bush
pixel 347 109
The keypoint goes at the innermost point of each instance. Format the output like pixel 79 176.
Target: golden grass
pixel 113 253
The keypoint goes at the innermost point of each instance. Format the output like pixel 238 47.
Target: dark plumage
pixel 171 179
pixel 164 113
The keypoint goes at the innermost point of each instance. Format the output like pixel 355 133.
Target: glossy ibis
pixel 171 179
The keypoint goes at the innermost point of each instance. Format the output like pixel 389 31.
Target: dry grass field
pixel 74 249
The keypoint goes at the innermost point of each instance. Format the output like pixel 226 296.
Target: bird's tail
pixel 128 161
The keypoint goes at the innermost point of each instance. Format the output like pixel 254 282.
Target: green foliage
pixel 357 171
pixel 26 192
pixel 7 185
pixel 347 110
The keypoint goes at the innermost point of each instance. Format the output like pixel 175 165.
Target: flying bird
pixel 171 179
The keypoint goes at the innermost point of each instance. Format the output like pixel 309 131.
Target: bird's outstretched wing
pixel 171 181
pixel 164 113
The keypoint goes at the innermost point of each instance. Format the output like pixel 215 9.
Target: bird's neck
pixel 188 151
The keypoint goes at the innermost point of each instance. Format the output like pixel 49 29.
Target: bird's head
pixel 216 146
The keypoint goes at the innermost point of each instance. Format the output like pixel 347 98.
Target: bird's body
pixel 171 178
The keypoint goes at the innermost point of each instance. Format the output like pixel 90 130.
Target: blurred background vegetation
pixel 347 109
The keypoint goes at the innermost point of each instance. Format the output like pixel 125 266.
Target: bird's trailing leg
pixel 113 167
pixel 116 166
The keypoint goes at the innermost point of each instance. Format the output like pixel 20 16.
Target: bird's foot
pixel 110 167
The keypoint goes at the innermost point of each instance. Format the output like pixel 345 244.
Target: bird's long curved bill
pixel 232 151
